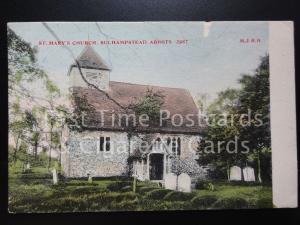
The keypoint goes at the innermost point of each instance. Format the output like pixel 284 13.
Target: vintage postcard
pixel 143 116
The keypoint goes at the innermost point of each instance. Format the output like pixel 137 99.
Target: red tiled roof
pixel 176 101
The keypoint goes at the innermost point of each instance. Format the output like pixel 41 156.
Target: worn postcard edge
pixel 283 114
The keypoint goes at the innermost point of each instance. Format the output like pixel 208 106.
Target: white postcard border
pixel 283 114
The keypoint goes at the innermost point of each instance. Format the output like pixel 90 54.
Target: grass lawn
pixel 34 192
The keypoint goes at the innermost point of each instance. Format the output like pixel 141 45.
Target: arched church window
pixel 168 141
pixel 101 143
pixel 104 143
pixel 107 145
pixel 174 146
pixel 158 143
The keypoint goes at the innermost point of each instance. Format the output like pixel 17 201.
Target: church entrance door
pixel 156 166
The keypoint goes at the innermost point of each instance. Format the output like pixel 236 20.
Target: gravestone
pixel 248 173
pixel 28 166
pixel 170 181
pixel 235 173
pixel 184 183
pixel 90 178
pixel 54 176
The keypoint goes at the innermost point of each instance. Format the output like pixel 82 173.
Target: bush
pixel 147 184
pixel 127 196
pixel 127 205
pixel 157 194
pixel 143 190
pixel 178 196
pixel 106 198
pixel 85 190
pixel 231 203
pixel 117 186
pixel 204 185
pixel 264 203
pixel 67 204
pixel 77 183
pixel 126 189
pixel 203 202
pixel 149 204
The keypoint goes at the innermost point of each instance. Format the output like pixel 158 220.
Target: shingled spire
pixel 93 68
pixel 89 59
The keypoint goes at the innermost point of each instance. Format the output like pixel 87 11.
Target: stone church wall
pixel 84 155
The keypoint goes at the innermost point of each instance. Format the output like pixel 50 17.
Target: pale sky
pixel 211 61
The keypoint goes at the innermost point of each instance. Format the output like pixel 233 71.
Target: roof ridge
pixel 149 85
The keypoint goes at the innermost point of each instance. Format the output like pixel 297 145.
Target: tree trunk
pixel 60 154
pixel 49 162
pixel 60 147
pixel 35 150
pixel 258 167
pixel 49 159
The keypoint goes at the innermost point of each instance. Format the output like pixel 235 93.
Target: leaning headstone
pixel 184 183
pixel 248 173
pixel 90 178
pixel 170 181
pixel 28 166
pixel 54 175
pixel 235 173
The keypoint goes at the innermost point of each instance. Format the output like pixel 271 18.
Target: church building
pixel 103 149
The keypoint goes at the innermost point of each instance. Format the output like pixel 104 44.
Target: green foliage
pixel 21 61
pixel 231 203
pixel 178 196
pixel 34 192
pixel 16 109
pixel 157 194
pixel 23 70
pixel 149 204
pixel 230 106
pixel 204 202
pixel 150 105
pixel 126 189
pixel 82 107
pixel 264 203
pixel 52 88
pixel 18 127
pixel 15 168
pixel 128 205
pixel 88 189
pixel 143 190
pixel 117 186
pixel 204 185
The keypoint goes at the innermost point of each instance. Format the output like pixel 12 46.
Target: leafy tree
pixel 18 129
pixel 150 105
pixel 222 129
pixel 23 71
pixel 255 96
pixel 202 102
pixel 231 105
pixel 21 59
